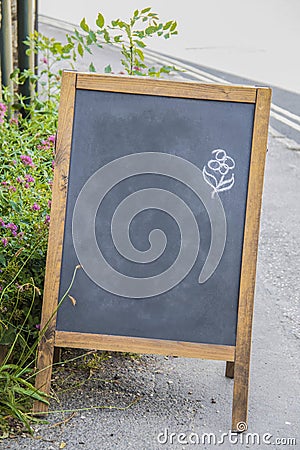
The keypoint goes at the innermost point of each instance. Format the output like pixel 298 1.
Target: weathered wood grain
pixel 248 270
pixel 142 345
pixel 56 231
pixel 182 89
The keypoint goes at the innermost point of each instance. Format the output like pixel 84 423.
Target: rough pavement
pixel 188 395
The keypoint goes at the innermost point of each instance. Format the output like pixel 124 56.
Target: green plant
pixel 130 35
pixel 16 390
pixel 45 79
pixel 27 160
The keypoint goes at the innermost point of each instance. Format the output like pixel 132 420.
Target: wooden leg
pixel 57 355
pixel 240 397
pixel 44 369
pixel 229 373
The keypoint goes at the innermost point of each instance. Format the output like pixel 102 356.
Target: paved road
pixel 242 42
pixel 254 39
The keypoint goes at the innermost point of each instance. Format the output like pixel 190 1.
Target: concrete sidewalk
pixel 129 403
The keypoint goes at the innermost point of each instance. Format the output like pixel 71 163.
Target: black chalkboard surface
pixel 109 126
pixel 156 197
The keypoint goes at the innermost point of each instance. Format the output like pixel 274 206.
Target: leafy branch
pixel 130 36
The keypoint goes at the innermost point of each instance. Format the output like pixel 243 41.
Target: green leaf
pixel 140 43
pixel 80 49
pixel 84 26
pixel 2 259
pixel 118 38
pixel 136 13
pixel 144 11
pixel 166 36
pixel 140 53
pixel 100 21
pixel 92 67
pixel 92 36
pixel 106 36
pixel 167 24
pixel 108 69
pixel 174 25
pixel 150 30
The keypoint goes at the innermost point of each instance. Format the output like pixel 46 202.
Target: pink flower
pixel 3 109
pixel 35 207
pixel 19 180
pixel 47 219
pixel 52 138
pixel 44 60
pixel 26 186
pixel 29 179
pixel 12 188
pixel 14 121
pixel 4 183
pixel 4 242
pixel 12 226
pixel 49 204
pixel 26 160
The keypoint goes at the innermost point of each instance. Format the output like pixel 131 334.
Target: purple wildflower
pixel 12 226
pixel 44 60
pixel 49 204
pixel 3 109
pixel 4 183
pixel 35 207
pixel 29 179
pixel 4 242
pixel 52 138
pixel 12 188
pixel 38 326
pixel 19 180
pixel 26 186
pixel 26 160
pixel 47 220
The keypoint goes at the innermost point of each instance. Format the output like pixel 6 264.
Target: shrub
pixel 27 161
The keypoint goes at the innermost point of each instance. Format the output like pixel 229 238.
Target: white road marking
pixel 285 112
pixel 287 122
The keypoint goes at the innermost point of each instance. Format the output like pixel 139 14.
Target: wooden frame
pixel 238 356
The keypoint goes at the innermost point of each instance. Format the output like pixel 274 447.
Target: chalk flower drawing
pixel 218 170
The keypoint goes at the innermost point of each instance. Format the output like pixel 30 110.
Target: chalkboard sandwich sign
pixel 157 196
